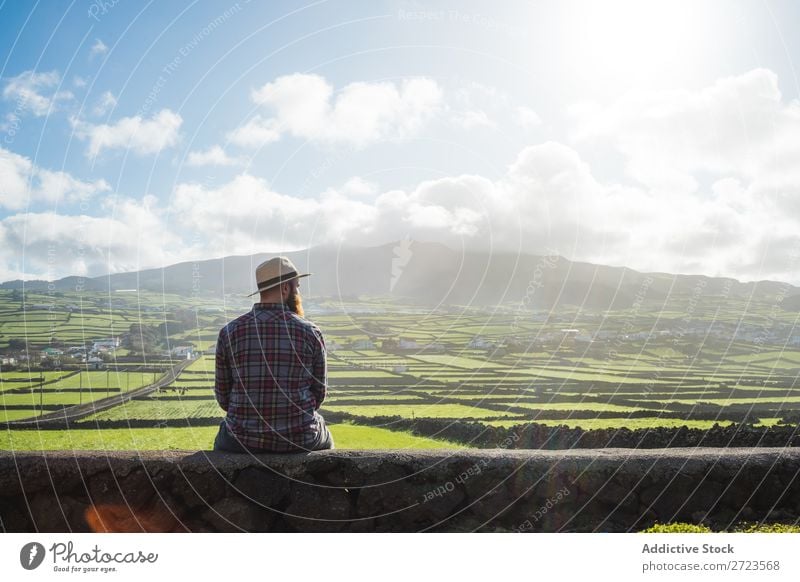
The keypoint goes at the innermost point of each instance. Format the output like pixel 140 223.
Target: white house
pixel 479 342
pixel 363 344
pixel 105 344
pixel 183 352
pixel 434 347
pixel 95 363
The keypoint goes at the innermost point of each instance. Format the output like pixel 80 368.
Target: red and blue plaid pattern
pixel 271 378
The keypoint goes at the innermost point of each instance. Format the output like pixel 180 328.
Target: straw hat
pixel 275 271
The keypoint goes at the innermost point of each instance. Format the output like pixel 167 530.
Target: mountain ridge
pixel 429 273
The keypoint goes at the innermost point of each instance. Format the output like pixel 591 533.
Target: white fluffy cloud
pixel 35 92
pixel 548 200
pixel 527 117
pixel 720 169
pixel 105 103
pixel 476 105
pixel 255 133
pixel 738 126
pixel 715 191
pixel 461 209
pixel 140 135
pixel 306 107
pixel 358 187
pixel 262 216
pixel 23 183
pixel 131 236
pixel 214 156
pixel 362 113
pixel 98 48
pixel 472 118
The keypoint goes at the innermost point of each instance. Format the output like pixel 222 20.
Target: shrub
pixel 677 528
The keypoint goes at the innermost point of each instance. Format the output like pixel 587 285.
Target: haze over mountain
pixel 429 273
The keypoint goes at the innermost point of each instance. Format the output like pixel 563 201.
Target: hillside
pixel 433 274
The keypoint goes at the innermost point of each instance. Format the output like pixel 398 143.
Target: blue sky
pixel 657 135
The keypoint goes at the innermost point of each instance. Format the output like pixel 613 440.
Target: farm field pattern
pixel 502 367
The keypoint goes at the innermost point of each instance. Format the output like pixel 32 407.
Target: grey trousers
pixel 227 442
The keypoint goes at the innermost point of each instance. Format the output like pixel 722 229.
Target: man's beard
pixel 295 302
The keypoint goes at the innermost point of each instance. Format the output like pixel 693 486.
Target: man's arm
pixel 223 375
pixel 319 371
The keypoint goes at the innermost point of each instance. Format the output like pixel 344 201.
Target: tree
pixel 49 363
pixel 180 320
pixel 18 345
pixel 142 339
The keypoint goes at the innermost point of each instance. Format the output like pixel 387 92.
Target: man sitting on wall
pixel 271 371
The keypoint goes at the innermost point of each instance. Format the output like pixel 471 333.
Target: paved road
pixel 63 418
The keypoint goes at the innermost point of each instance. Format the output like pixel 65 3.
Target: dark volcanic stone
pixel 404 491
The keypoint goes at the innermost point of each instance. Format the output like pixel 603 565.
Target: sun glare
pixel 618 43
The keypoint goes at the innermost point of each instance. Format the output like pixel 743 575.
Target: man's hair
pixel 295 302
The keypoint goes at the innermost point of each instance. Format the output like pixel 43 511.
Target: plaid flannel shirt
pixel 271 378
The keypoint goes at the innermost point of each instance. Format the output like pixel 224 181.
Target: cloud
pixel 359 187
pixel 547 200
pixel 35 92
pixel 527 117
pixel 98 48
pixel 305 107
pixel 262 216
pixel 718 170
pixel 472 119
pixel 714 190
pixel 105 103
pixel 477 105
pixel 131 236
pixel 255 133
pixel 142 136
pixel 738 126
pixel 308 107
pixel 214 156
pixel 23 183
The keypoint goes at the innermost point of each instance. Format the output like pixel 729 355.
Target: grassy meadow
pixel 498 367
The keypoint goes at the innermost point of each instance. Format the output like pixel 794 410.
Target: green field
pixel 420 411
pixel 540 373
pixel 161 410
pixel 616 423
pixel 197 438
pixel 568 406
pixel 17 414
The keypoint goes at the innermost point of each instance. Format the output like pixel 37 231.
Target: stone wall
pixel 534 435
pixel 586 490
